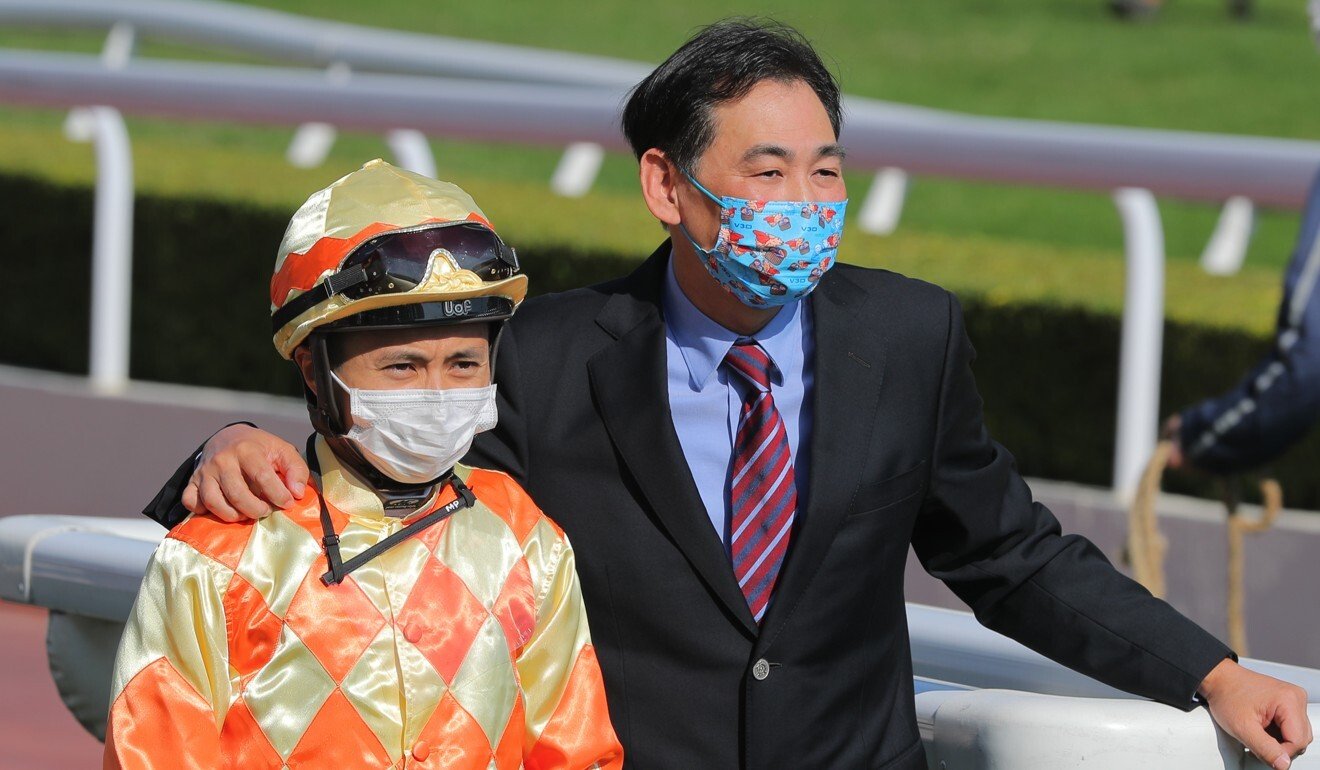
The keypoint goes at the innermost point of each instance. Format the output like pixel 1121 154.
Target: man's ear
pixel 302 358
pixel 660 180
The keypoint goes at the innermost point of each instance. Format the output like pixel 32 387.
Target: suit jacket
pixel 899 456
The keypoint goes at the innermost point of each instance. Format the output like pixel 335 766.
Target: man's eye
pixel 830 172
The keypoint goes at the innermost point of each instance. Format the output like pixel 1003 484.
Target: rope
pixel 1238 527
pixel 1146 546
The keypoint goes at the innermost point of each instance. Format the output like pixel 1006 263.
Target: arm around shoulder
pixel 241 472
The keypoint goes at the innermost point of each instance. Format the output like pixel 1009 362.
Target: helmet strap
pixel 323 403
pixel 496 334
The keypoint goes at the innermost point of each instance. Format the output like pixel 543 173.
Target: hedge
pixel 1048 374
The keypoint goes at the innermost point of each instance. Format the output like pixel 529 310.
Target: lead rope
pixel 1147 546
pixel 1238 527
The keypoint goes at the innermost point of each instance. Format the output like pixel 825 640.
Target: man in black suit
pixel 626 416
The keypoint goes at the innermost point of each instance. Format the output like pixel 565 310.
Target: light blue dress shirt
pixel 706 401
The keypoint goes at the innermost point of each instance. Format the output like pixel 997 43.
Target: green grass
pixel 1193 69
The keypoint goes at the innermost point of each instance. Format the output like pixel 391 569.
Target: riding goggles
pixel 397 262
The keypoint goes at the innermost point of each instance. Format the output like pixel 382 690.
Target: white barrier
pixel 1007 730
pixel 321 43
pixel 88 569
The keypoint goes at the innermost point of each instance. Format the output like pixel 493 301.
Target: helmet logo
pixel 457 307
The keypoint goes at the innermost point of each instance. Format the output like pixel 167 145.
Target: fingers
pixel 1175 456
pixel 1293 725
pixel 239 476
pixel 234 485
pixel 1265 748
pixel 268 485
pixel 294 468
pixel 1170 432
pixel 189 497
pixel 1267 715
pixel 1289 723
pixel 1172 427
pixel 222 490
pixel 213 501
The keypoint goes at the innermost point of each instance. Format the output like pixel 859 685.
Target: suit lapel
pixel 849 369
pixel 629 379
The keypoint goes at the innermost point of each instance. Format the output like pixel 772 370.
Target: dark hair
pixel 670 109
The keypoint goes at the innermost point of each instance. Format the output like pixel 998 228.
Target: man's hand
pixel 245 473
pixel 1268 716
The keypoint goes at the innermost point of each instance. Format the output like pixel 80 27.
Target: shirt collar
pixel 704 343
pixel 349 493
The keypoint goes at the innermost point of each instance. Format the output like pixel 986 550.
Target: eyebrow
pixel 400 356
pixel 832 150
pixel 473 353
pixel 762 150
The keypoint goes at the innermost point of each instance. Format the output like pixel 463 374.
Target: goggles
pixel 396 262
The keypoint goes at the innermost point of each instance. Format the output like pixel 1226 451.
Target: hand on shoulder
pixel 245 473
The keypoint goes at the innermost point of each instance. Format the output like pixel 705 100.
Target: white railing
pixel 982 700
pixel 409 85
pixel 315 42
pixel 977 729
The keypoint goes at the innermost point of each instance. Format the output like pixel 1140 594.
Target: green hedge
pixel 1048 374
pixel 1049 377
pixel 201 278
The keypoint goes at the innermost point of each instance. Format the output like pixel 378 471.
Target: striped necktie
pixel 762 493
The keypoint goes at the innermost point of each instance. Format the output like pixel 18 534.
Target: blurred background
pixel 1041 270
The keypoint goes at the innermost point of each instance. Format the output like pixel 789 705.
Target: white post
pixel 311 142
pixel 1143 339
pixel 120 42
pixel 112 243
pixel 412 151
pixel 112 223
pixel 1227 247
pixel 884 202
pixel 577 169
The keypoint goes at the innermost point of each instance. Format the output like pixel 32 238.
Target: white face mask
pixel 413 436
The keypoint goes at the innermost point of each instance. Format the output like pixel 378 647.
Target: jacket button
pixel 412 633
pixel 761 670
pixel 421 750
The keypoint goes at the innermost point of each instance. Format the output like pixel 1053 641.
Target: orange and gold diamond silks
pixel 465 646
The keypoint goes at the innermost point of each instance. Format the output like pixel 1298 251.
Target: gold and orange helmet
pixel 385 248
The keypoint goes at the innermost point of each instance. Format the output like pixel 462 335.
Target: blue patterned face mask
pixel 771 253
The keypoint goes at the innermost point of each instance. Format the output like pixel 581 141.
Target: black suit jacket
pixel 899 457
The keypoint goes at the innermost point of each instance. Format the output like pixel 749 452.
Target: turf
pixel 1193 68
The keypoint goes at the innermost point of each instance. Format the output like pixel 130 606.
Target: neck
pixel 712 299
pixel 398 502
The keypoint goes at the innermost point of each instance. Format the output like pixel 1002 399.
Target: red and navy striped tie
pixel 762 494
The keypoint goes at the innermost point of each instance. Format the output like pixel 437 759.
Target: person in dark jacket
pixel 1277 402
